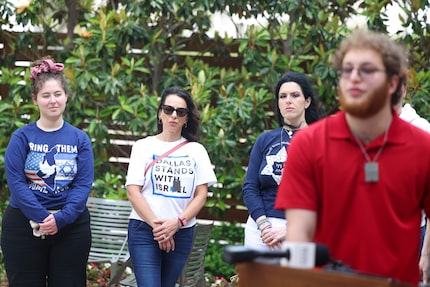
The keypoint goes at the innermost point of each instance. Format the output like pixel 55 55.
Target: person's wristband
pixel 266 227
pixel 262 222
pixel 182 221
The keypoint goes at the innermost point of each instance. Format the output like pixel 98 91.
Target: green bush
pixel 222 235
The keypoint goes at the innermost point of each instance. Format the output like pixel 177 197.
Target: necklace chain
pixel 378 153
pixel 371 167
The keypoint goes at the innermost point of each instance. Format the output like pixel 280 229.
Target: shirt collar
pixel 340 129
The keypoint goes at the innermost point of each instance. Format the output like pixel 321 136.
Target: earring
pixel 186 125
pixel 160 122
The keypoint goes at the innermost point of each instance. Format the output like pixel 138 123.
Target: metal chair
pixel 193 274
pixel 109 225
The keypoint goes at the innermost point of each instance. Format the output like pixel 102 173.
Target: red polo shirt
pixel 372 227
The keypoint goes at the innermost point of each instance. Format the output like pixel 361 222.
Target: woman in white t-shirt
pixel 167 191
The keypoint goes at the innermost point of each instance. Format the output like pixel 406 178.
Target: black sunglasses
pixel 168 110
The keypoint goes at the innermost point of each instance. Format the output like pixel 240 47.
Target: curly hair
pixel 394 56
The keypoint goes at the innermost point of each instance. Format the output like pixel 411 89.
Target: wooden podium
pixel 253 274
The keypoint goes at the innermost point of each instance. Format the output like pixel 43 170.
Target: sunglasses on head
pixel 180 112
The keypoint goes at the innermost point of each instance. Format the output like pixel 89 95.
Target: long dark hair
pixel 192 129
pixel 311 113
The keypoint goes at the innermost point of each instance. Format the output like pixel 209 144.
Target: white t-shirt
pixel 169 184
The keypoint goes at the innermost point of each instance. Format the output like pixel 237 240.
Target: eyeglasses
pixel 365 73
pixel 168 110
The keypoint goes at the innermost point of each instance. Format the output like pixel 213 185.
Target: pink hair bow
pixel 47 66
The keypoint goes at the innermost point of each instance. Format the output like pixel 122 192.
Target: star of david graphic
pixel 67 169
pixel 275 163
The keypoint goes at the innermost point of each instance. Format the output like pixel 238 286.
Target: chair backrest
pixel 109 224
pixel 193 273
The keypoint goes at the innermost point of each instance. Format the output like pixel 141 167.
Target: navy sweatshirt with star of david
pixel 264 172
pixel 49 170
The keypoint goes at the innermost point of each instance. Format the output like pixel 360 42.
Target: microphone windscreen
pixel 302 254
pixel 322 255
pixel 234 253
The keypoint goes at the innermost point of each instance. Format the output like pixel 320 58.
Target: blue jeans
pixel 154 267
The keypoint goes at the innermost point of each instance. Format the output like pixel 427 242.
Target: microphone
pixel 292 254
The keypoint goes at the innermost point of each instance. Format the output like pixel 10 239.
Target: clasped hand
pixel 164 231
pixel 274 236
pixel 47 227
